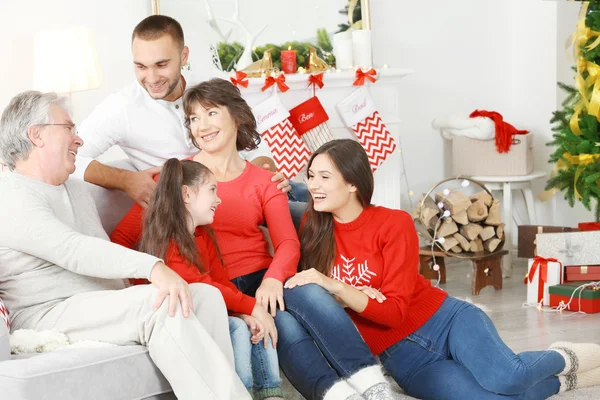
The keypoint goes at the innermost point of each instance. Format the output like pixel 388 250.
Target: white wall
pixel 501 55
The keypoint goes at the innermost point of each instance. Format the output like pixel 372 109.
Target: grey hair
pixel 24 110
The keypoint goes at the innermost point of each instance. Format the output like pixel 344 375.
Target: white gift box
pixel 571 248
pixel 537 289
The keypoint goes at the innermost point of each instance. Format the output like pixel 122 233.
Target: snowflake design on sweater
pixel 359 275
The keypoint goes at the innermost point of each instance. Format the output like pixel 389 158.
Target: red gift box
pixel 586 300
pixel 582 273
pixel 589 226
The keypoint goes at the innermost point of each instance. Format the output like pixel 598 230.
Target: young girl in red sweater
pixel 175 229
pixel 360 296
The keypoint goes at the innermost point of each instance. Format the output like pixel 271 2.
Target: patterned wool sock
pixel 341 390
pixel 579 357
pixel 580 380
pixel 371 383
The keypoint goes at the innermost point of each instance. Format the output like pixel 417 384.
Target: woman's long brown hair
pixel 166 217
pixel 317 243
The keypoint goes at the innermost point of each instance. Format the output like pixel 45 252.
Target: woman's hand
pixel 255 326
pixel 313 276
pixel 269 293
pixel 372 293
pixel 268 324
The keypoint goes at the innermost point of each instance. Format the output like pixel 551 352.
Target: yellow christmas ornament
pixel 262 66
pixel 315 64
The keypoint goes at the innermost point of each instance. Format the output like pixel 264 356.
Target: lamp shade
pixel 65 61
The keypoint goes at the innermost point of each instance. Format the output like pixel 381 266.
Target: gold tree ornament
pixel 315 64
pixel 262 66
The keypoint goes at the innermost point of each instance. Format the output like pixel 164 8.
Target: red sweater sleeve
pixel 129 231
pixel 235 301
pixel 400 250
pixel 286 245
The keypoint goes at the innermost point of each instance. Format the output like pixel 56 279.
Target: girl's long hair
pixel 166 218
pixel 316 239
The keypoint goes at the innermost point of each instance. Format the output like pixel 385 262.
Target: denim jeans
pixel 318 342
pixel 458 354
pixel 297 197
pixel 248 284
pixel 257 367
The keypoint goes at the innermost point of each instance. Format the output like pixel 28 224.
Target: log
pixel 447 228
pixel 464 243
pixel 477 211
pixel 487 232
pixel 491 244
pixel 439 197
pixel 500 231
pixel 483 196
pixel 471 231
pixel 449 242
pixel 494 214
pixel 456 249
pixel 461 217
pixel 476 245
pixel 456 202
pixel 433 222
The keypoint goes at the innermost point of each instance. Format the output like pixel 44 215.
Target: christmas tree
pixel 576 126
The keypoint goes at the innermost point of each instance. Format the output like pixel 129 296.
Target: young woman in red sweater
pixel 360 296
pixel 221 124
pixel 175 230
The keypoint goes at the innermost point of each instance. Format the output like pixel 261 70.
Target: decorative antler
pixel 213 22
pixel 246 57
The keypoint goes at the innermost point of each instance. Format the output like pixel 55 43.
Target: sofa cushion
pixel 4 343
pixel 120 372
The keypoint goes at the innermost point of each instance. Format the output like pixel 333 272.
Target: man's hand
pixel 269 294
pixel 170 284
pixel 284 184
pixel 140 185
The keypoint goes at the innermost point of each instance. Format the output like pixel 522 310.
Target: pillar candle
pixel 342 49
pixel 361 48
pixel 288 61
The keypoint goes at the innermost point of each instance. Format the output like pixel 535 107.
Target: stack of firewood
pixel 474 223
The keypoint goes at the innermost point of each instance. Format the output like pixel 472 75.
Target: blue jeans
pixel 318 342
pixel 456 354
pixel 248 284
pixel 297 197
pixel 257 367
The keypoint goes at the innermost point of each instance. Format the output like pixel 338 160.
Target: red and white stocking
pixel 289 151
pixel 4 314
pixel 310 120
pixel 360 113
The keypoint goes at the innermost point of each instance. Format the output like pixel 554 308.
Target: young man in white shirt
pixel 146 118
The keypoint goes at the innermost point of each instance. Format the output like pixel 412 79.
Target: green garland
pixel 230 53
pixel 578 178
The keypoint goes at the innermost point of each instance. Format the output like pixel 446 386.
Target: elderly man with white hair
pixel 59 271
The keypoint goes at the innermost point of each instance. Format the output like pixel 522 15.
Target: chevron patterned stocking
pixel 359 112
pixel 287 148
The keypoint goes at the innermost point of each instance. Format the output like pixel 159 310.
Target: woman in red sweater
pixel 175 230
pixel 360 295
pixel 221 124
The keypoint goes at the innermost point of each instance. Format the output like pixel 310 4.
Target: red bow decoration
pixel 542 263
pixel 360 76
pixel 239 79
pixel 280 80
pixel 315 80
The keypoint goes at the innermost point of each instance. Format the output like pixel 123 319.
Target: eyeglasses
pixel 71 127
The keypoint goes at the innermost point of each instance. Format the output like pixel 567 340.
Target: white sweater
pixel 52 246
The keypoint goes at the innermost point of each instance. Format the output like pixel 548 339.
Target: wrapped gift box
pixel 484 159
pixel 541 274
pixel 582 273
pixel 571 248
pixel 589 226
pixel 526 238
pixel 588 300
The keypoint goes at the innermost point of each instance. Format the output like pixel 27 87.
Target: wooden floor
pixel 521 328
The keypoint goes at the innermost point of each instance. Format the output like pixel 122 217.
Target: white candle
pixel 342 50
pixel 361 48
